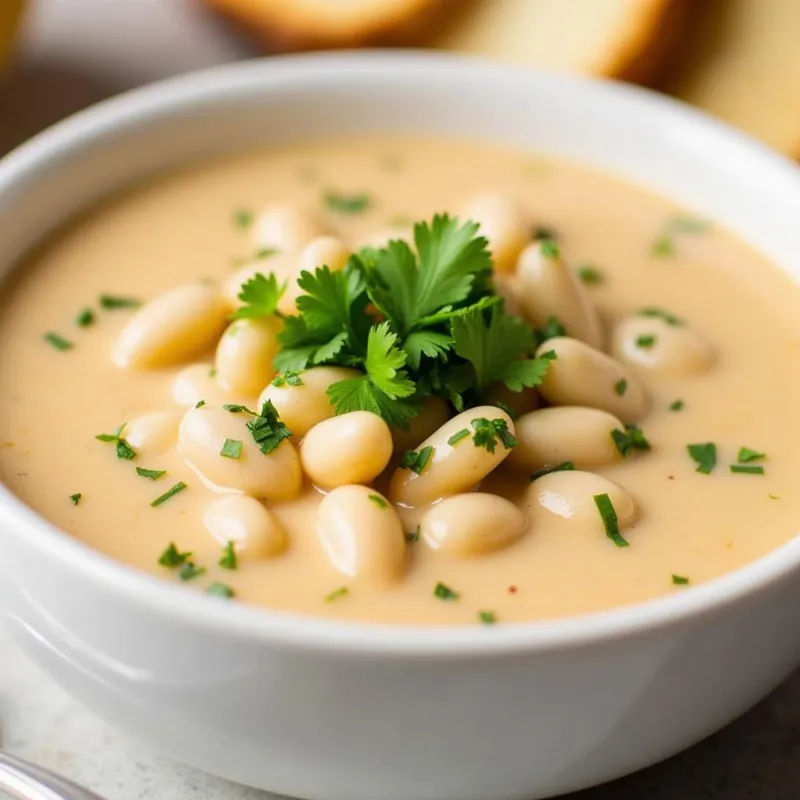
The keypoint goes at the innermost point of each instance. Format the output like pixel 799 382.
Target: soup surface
pixel 712 363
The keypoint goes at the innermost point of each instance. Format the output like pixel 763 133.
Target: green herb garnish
pixel 176 489
pixel 660 313
pixel 444 592
pixel 150 474
pixel 416 460
pixel 267 429
pixel 228 559
pixel 85 318
pixel 232 448
pixel 243 218
pixel 549 249
pixel 705 455
pixel 677 405
pixel 75 498
pixel 172 557
pixel 378 500
pixel 544 232
pixel 457 437
pixel 645 341
pixel 487 617
pixel 746 455
pixel 190 571
pixel 487 433
pixel 110 302
pixel 124 450
pixel 688 225
pixel 680 580
pixel 220 590
pixel 288 378
pixel 235 408
pixel 58 341
pixel 412 536
pixel 336 594
pixel 747 469
pixel 550 330
pixel 199 403
pixel 632 438
pixel 591 276
pixel 620 387
pixel 260 296
pixel 610 522
pixel 564 466
pixel 346 204
pixel 663 247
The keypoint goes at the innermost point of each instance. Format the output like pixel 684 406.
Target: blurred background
pixel 737 59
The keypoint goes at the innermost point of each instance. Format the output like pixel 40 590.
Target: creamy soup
pixel 403 436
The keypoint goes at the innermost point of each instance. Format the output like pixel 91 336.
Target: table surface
pixel 73 53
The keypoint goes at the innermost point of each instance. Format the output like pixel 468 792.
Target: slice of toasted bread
pixel 619 38
pixel 742 64
pixel 319 24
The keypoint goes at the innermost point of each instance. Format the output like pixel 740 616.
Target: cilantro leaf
pixel 496 351
pixel 260 296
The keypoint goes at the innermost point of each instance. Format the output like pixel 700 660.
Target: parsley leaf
pixel 260 296
pixel 267 429
pixel 347 204
pixel 416 460
pixel 705 455
pixel 632 438
pixel 488 431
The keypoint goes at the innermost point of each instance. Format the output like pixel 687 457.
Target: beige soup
pixel 528 504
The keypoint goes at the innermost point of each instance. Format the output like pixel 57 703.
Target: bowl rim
pixel 307 632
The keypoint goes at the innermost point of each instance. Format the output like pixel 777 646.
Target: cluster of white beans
pixel 361 530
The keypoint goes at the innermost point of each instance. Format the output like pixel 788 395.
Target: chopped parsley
pixel 260 296
pixel 549 249
pixel 377 500
pixel 632 438
pixel 544 232
pixel 458 436
pixel 176 489
pixel 346 204
pixel 646 341
pixel 190 571
pixel 172 557
pixel 660 313
pixel 220 590
pixel 679 580
pixel 705 455
pixel 110 302
pixel 228 559
pixel 747 469
pixel 591 276
pixel 610 522
pixel 85 318
pixel 243 218
pixel 444 592
pixel 489 431
pixel 550 330
pixel 745 455
pixel 487 617
pixel 124 450
pixel 336 594
pixel 58 341
pixel 267 429
pixel 416 460
pixel 75 498
pixel 663 247
pixel 235 408
pixel 564 466
pixel 150 474
pixel 677 405
pixel 688 225
pixel 199 403
pixel 232 448
pixel 620 387
pixel 412 536
pixel 288 378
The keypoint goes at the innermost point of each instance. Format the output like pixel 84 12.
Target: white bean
pixel 254 530
pixel 433 414
pixel 565 501
pixel 350 448
pixel 576 434
pixel 285 227
pixel 301 407
pixel 472 524
pixel 245 353
pixel 325 251
pixel 198 382
pixel 547 288
pixel 153 433
pixel 583 376
pixel 662 348
pixel 361 535
pixel 204 432
pixel 504 223
pixel 175 327
pixel 449 461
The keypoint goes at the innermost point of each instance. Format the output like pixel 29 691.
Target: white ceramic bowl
pixel 339 711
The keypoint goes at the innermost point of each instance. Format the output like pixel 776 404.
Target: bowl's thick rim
pixel 240 621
